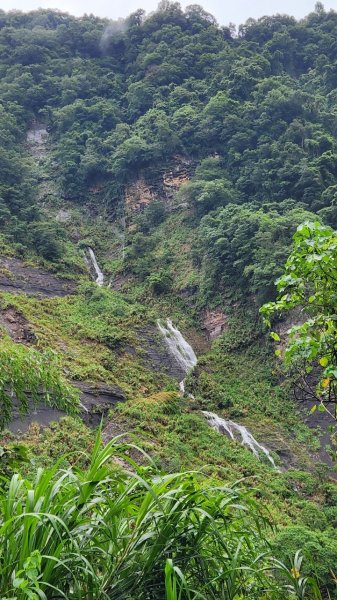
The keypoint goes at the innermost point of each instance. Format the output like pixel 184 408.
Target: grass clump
pixel 30 376
pixel 99 533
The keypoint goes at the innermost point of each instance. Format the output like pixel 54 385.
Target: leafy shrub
pixel 46 239
pixel 320 548
pixel 160 283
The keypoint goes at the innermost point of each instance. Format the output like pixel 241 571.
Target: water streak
pixel 234 429
pixel 186 358
pixel 178 346
pixel 99 275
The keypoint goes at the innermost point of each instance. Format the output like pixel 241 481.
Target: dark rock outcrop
pixel 156 355
pixel 17 326
pixel 16 276
pixel 96 400
pixel 214 322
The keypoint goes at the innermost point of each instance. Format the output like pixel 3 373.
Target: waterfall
pixel 232 428
pixel 179 348
pixel 186 358
pixel 99 275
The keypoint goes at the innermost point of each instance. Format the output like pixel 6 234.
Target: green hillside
pixel 155 175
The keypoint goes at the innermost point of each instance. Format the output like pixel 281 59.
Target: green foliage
pixel 206 195
pixel 249 121
pixel 29 375
pixel 159 282
pixel 102 315
pixel 120 98
pixel 109 533
pixel 153 215
pixel 253 112
pixel 67 442
pixel 46 240
pixel 320 547
pixel 309 281
pixel 245 247
pixel 12 458
pixel 99 332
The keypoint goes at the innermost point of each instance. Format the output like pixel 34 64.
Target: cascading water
pixel 186 358
pixel 232 428
pixel 99 275
pixel 179 348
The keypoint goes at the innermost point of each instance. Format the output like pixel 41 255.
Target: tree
pixel 309 284
pixel 46 239
pixel 244 248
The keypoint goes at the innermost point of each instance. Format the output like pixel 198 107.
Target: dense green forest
pixel 197 164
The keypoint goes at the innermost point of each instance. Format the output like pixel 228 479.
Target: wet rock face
pixel 15 276
pixel 96 400
pixel 214 322
pixel 17 326
pixel 43 415
pixel 156 354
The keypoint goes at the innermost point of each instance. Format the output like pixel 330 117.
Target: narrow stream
pixel 185 356
pixel 99 275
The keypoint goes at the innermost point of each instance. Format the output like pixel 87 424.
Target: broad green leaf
pixel 19 582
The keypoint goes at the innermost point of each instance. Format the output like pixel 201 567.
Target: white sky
pixel 225 11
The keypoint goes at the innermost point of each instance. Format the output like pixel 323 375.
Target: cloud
pixel 112 30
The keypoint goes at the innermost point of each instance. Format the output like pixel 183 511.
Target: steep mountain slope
pixel 157 169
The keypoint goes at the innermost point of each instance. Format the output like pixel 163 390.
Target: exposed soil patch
pixel 214 322
pixel 15 276
pixel 17 326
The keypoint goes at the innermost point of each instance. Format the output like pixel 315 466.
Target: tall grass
pixel 29 375
pixel 102 534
